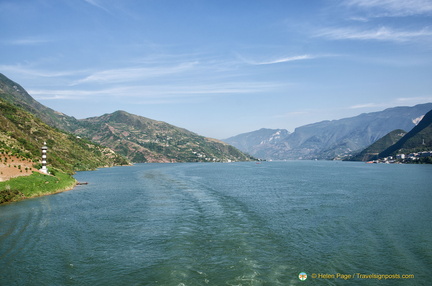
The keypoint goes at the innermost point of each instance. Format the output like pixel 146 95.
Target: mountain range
pixel 329 139
pixel 141 139
pixel 137 138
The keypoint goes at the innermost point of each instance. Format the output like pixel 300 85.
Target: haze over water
pixel 225 224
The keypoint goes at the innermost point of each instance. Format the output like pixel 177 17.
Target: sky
pixel 220 68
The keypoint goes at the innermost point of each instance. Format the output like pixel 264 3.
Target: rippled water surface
pixel 225 224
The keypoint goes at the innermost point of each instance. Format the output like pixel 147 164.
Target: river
pixel 341 223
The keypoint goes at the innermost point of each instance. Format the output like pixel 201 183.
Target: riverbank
pixel 35 185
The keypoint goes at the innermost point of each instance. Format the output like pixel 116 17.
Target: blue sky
pixel 220 68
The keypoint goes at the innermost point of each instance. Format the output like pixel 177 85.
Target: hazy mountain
pixel 145 140
pixel 371 152
pixel 418 139
pixel 139 139
pixel 338 138
pixel 263 143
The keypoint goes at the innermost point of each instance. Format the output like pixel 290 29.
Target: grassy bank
pixel 34 185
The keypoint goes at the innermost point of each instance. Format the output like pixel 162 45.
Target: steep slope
pixel 18 96
pixel 22 135
pixel 418 139
pixel 145 140
pixel 339 138
pixel 371 152
pixel 263 143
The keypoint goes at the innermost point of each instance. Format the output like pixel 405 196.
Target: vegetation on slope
pixel 22 134
pixel 371 152
pixel 18 96
pixel 145 140
pixel 417 140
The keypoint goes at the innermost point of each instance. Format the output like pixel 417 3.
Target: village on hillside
pixel 412 158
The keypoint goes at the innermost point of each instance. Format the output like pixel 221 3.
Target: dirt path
pixel 11 167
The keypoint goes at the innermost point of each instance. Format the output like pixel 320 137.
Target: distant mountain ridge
pixel 262 143
pixel 336 138
pixel 138 138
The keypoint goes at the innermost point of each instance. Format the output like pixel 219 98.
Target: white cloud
pixel 55 94
pixel 278 60
pixel 395 7
pixel 359 19
pixel 156 92
pixel 414 100
pixel 96 4
pixel 28 41
pixel 27 70
pixel 407 101
pixel 365 105
pixel 380 34
pixel 133 74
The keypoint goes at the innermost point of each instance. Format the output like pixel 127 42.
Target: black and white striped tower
pixel 44 157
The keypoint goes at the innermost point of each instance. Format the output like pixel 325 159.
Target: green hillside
pixel 371 152
pixel 417 140
pixel 145 140
pixel 18 96
pixel 22 134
